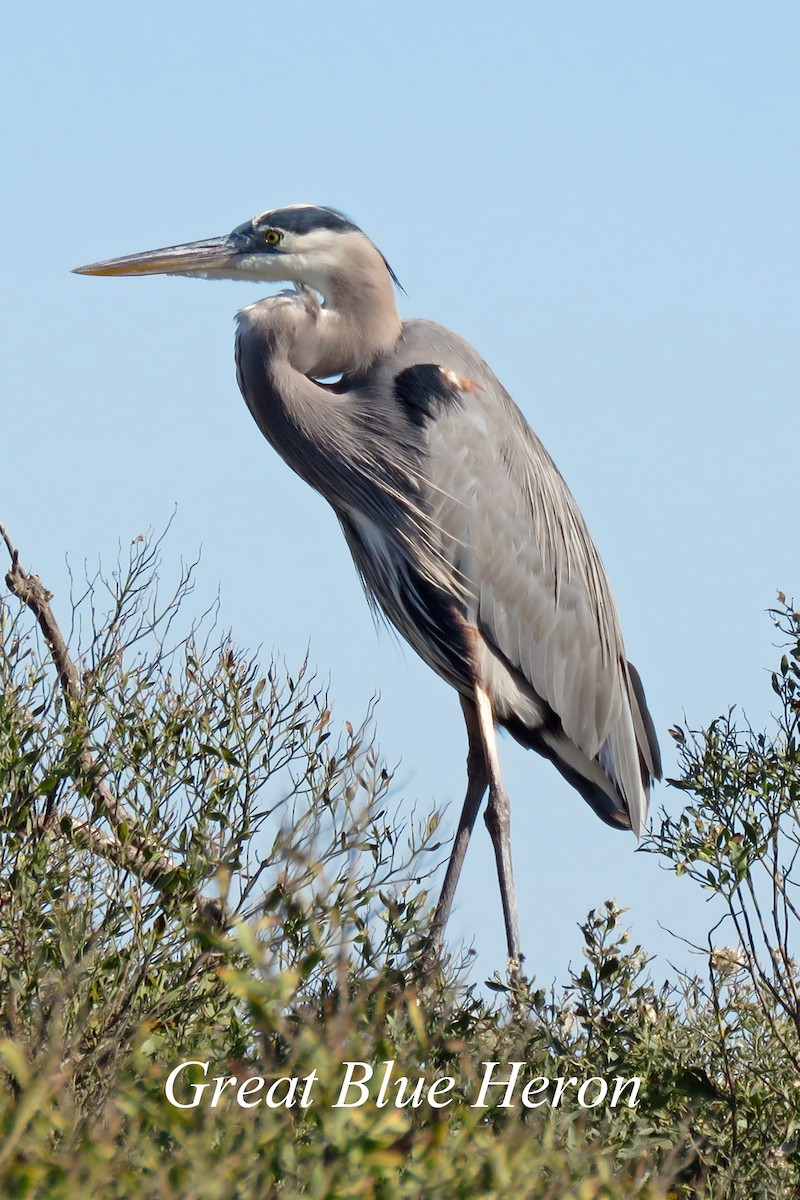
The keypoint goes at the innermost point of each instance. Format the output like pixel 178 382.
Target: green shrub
pixel 198 863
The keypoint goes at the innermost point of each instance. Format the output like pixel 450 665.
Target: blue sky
pixel 603 198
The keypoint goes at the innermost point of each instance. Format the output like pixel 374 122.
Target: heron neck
pixel 357 324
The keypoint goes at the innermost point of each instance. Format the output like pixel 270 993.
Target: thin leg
pixel 498 822
pixel 477 782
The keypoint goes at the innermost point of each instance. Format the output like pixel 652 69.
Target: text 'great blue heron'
pixel 459 523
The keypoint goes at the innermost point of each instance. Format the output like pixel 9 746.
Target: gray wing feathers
pixel 537 592
pixel 538 587
pixel 643 724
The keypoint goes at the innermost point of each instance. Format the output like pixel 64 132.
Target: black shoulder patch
pixel 425 391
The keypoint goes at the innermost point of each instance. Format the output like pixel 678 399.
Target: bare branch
pixel 126 847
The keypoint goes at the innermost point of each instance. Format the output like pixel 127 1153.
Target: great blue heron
pixel 460 526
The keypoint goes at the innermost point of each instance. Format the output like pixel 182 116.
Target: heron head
pixel 318 247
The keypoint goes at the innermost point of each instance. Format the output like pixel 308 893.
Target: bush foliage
pixel 198 863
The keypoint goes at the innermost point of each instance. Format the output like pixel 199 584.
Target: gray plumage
pixel 462 529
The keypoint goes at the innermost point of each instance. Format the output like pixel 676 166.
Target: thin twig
pixel 723 1048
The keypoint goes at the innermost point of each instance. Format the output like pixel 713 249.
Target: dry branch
pixel 126 846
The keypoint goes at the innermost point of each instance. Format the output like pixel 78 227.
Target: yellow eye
pixel 272 237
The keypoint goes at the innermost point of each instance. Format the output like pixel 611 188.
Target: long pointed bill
pixel 204 260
